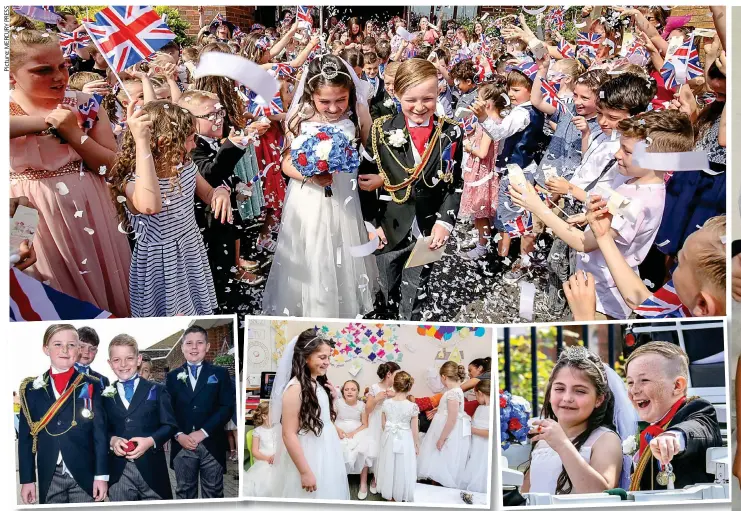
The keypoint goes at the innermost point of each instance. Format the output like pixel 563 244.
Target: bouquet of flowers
pixel 514 414
pixel 324 150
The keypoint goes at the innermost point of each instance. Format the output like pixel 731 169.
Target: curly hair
pixel 453 371
pixel 224 88
pixel 261 415
pixel 591 367
pixel 403 382
pixel 171 128
pixel 310 412
pixel 316 79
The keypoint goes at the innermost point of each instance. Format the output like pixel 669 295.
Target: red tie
pixel 654 430
pixel 62 379
pixel 420 135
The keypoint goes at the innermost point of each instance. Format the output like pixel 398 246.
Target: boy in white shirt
pixel 636 222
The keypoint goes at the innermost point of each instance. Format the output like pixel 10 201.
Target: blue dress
pixel 694 197
pixel 169 272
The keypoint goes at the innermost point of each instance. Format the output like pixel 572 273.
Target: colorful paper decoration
pixel 374 343
pixel 447 333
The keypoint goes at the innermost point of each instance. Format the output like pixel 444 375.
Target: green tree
pixel 176 23
pixel 521 366
pixel 224 360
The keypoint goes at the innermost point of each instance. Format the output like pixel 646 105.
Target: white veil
pixel 625 418
pixel 282 377
pixel 361 90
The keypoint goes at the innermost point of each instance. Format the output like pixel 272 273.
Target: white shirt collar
pixel 413 124
pixel 54 370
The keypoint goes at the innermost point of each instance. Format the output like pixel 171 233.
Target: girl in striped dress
pixel 153 185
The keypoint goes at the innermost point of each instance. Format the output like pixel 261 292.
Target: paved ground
pixel 231 478
pixel 459 290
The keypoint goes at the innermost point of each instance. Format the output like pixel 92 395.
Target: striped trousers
pixel 63 489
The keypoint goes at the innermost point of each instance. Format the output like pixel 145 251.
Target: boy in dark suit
pixel 89 342
pixel 61 433
pixel 386 104
pixel 140 422
pixel 371 75
pixel 418 156
pixel 680 429
pixel 204 399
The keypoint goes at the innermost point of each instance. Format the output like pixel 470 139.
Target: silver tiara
pixel 580 354
pixel 329 70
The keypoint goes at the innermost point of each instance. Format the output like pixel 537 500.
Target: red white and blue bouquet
pixel 514 414
pixel 327 150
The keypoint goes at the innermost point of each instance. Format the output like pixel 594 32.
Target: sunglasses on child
pixel 212 116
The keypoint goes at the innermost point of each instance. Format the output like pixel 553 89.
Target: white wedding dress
pixel 324 455
pixel 313 273
pixel 546 465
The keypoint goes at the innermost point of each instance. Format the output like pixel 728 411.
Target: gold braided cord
pixel 416 171
pixel 37 426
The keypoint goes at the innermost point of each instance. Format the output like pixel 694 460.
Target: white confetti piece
pixel 507 261
pixel 84 272
pixel 482 180
pixel 83 139
pixel 286 312
pixel 648 283
pixel 497 238
pixel 527 300
pixel 78 214
pixel 723 239
pixel 121 199
pixel 102 170
pixel 62 188
pixel 339 256
pixel 347 200
pixel 663 243
pixel 89 230
pixel 385 198
pixel 84 261
pixel 584 257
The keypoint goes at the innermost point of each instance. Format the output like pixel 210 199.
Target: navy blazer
pixel 104 381
pixel 84 446
pixel 208 407
pixel 150 413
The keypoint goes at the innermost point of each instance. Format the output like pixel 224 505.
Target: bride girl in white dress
pixel 446 444
pixel 313 273
pixel 309 460
pixel 258 479
pixel 352 427
pixel 576 448
pixel 397 460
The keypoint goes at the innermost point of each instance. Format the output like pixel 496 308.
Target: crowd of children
pixel 178 195
pixel 302 457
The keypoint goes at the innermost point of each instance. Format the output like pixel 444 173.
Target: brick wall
pixel 700 15
pixel 241 16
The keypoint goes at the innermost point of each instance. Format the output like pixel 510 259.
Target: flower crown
pixel 329 71
pixel 581 354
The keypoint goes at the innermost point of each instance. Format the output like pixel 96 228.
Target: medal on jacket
pixel 666 477
pixel 87 401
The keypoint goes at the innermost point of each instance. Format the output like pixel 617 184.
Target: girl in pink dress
pixel 58 159
pixel 481 182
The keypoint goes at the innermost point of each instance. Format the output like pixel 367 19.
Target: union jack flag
pixel 281 69
pixel 259 108
pixel 31 300
pixel 637 53
pixel 664 303
pixel 529 69
pixel 128 34
pixel 303 13
pixel 555 18
pixel 685 56
pixel 520 226
pixel 89 111
pixel 73 41
pixel 218 19
pixel 550 94
pixel 43 13
pixel 565 49
pixel 588 42
pixel 469 124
